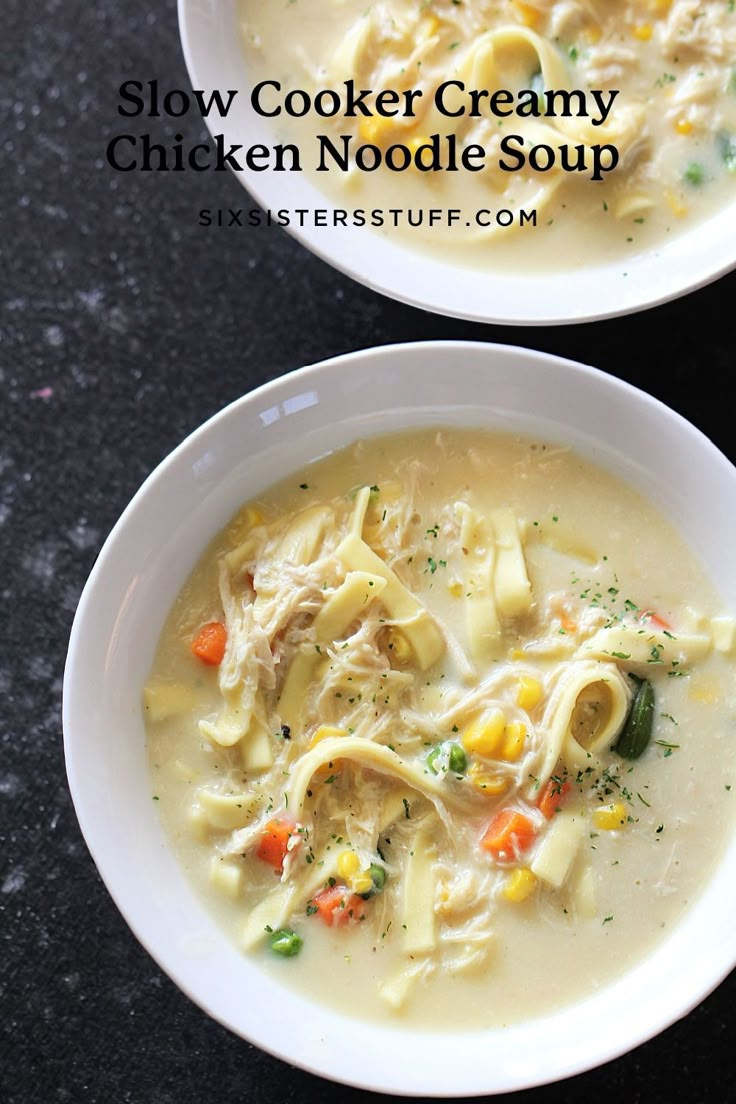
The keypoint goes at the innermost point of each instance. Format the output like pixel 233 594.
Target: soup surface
pixel 442 728
pixel 656 80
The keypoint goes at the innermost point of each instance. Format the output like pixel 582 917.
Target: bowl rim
pixel 592 293
pixel 161 954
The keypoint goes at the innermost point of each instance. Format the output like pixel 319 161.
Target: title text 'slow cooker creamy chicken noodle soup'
pixel 445 722
pixel 542 91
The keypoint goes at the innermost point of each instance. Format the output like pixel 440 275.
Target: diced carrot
pixel 553 795
pixel 274 842
pixel 337 905
pixel 508 834
pixel 566 622
pixel 657 622
pixel 209 643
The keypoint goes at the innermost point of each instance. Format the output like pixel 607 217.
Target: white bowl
pixel 213 53
pixel 258 439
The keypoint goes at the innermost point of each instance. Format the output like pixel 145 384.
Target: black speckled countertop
pixel 124 325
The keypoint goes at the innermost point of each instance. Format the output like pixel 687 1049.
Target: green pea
pixel 458 758
pixel 286 943
pixel 694 174
pixel 378 877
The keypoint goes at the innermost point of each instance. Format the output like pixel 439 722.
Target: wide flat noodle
pixel 576 677
pixel 640 645
pixel 246 667
pixel 364 753
pixel 415 621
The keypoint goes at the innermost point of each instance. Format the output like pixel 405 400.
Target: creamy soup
pixel 654 79
pixel 442 728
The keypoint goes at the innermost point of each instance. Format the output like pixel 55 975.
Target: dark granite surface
pixel 124 325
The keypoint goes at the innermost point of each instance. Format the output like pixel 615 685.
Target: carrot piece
pixel 337 905
pixel 560 609
pixel 566 622
pixel 209 643
pixel 274 842
pixel 553 795
pixel 657 622
pixel 508 834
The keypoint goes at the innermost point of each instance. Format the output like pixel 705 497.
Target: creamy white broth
pixel 594 552
pixel 673 122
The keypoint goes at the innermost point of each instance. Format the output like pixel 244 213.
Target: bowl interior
pixel 149 554
pixel 215 60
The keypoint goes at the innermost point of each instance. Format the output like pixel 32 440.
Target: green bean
pixel 727 149
pixel 637 730
pixel 432 758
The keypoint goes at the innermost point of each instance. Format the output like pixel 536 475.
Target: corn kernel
pixel 348 864
pixel 455 589
pixel 246 520
pixel 643 31
pixel 399 646
pixel 678 208
pixel 610 817
pixel 513 741
pixel 325 732
pixel 413 145
pixel 516 653
pixel 683 126
pixel 519 885
pixel 529 15
pixel 360 882
pixel 704 691
pixel 591 35
pixel 529 693
pixel 483 735
pixel 375 129
pixel 252 516
pixel 489 784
